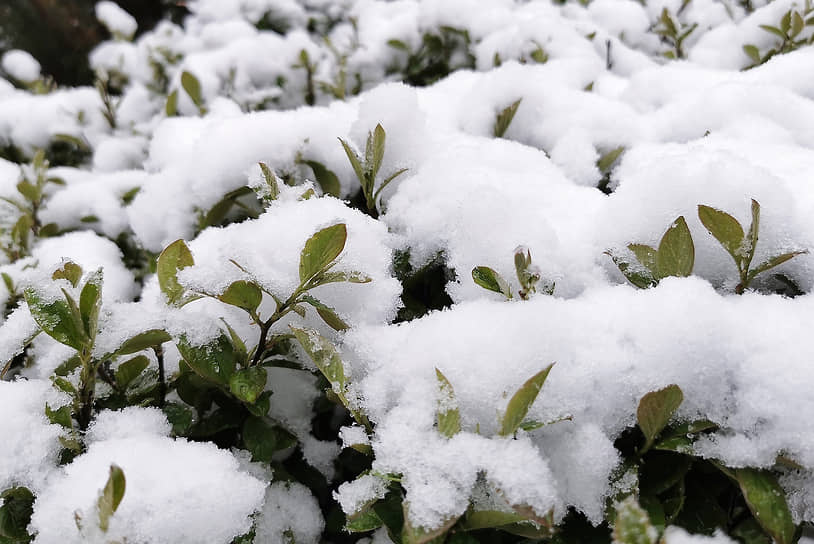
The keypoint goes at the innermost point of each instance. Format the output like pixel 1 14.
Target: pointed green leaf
pixel 447 415
pixel 214 361
pixel 753 53
pixel 171 107
pixel 247 383
pixel 725 228
pixel 774 261
pixel 175 257
pixel 350 277
pixel 324 355
pixel 238 343
pixel 243 294
pixel 522 400
pixel 130 370
pixel 354 162
pixel 387 181
pixel 61 416
pixel 192 86
pixel 797 24
pixel 606 161
pixel 504 119
pixel 68 366
pixel 785 22
pixel 326 179
pixel 655 410
pixel 364 521
pixel 68 271
pixel 271 181
pixel 90 303
pixel 489 279
pixel 111 496
pixel 56 319
pixel 632 525
pixel 321 250
pixel 767 501
pixel 676 253
pixel 750 242
pixel 774 30
pixel 378 151
pixel 489 519
pixel 635 273
pixel 328 314
pixel 411 534
pixel 263 439
pixel 144 340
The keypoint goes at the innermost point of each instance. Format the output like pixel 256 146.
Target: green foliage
pixel 528 276
pixel 741 247
pixel 504 118
pixel 367 168
pixel 15 514
pixel 173 259
pixel 673 33
pixel 448 418
pixel 438 55
pixel 675 256
pixel 111 496
pixel 192 87
pixel 790 33
pixel 655 410
pixel 633 525
pixel 521 401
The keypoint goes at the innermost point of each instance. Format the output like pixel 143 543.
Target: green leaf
pixel 29 190
pixel 774 261
pixel 767 501
pixel 489 519
pixel 321 250
pixel 63 385
pixel 637 274
pixel 387 181
pixel 243 294
pixel 130 370
pixel 171 107
pixel 679 438
pixel 179 416
pixel 61 416
pixel 350 277
pixel 606 161
pixel 16 507
pixel 247 383
pixel 68 366
pixel 328 314
pixel 326 178
pixel 175 257
pixel 144 340
pixel 90 303
pixel 504 118
pixel 797 24
pixel 367 520
pixel 753 53
pixel 324 355
pixel 68 271
pixel 354 162
pixel 447 415
pixel 263 439
pixel 724 228
pixel 676 253
pixel 377 156
pixel 56 319
pixel 491 281
pixel 411 534
pixel 774 30
pixel 750 242
pixel 214 361
pixel 271 181
pixel 785 22
pixel 111 496
pixel 647 257
pixel 632 524
pixel 193 88
pixel 655 410
pixel 522 400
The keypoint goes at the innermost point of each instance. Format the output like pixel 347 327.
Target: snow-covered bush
pixel 412 271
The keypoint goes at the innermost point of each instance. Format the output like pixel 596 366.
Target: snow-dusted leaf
pixel 521 401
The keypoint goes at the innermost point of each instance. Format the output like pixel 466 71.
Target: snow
pixel 193 491
pixel 20 65
pixel 115 19
pixel 698 130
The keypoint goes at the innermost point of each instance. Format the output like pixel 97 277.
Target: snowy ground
pixel 708 128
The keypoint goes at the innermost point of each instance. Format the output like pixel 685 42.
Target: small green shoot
pixel 504 119
pixel 192 87
pixel 675 256
pixel 790 33
pixel 528 275
pixel 111 497
pixel 673 33
pixel 521 402
pixel 654 412
pixel 447 416
pixel 741 247
pixel 367 168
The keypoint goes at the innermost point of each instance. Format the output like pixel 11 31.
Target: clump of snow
pixel 176 490
pixel 20 65
pixel 115 19
pixel 129 422
pixel 30 447
pixel 289 509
